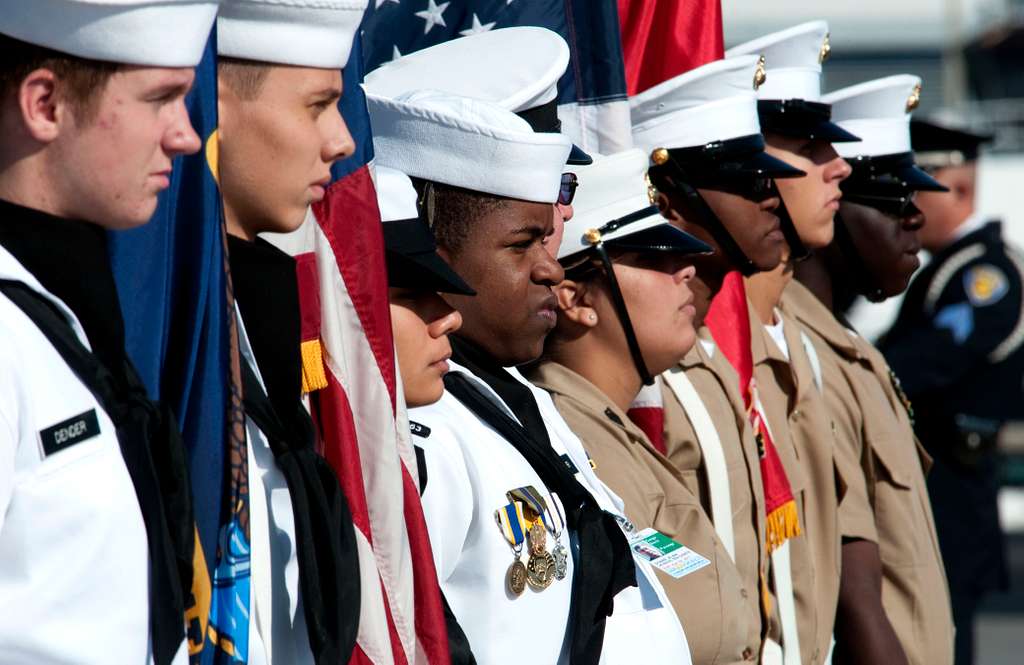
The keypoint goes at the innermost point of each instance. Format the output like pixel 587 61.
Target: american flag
pixel 591 95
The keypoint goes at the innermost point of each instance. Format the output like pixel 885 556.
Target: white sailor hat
pixel 466 143
pixel 153 33
pixel 879 112
pixel 515 68
pixel 789 101
pixel 304 33
pixel 708 117
pixel 615 206
pixel 409 247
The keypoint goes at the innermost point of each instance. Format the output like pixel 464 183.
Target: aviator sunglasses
pixel 567 191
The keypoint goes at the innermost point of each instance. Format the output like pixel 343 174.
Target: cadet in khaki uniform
pixel 797 128
pixel 596 361
pixel 724 194
pixel 887 504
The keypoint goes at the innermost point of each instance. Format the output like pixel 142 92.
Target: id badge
pixel 666 554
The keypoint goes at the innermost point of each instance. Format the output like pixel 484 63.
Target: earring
pixel 592 317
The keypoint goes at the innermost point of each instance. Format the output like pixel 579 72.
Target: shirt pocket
pixel 895 488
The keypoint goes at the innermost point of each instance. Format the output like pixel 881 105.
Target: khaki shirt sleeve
pixel 856 517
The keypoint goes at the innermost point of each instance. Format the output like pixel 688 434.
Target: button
pixel 743 592
pixel 748 654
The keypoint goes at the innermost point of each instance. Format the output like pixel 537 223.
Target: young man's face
pixel 887 246
pixel 115 157
pixel 506 259
pixel 813 200
pixel 277 147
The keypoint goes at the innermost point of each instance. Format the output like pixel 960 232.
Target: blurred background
pixel 970 54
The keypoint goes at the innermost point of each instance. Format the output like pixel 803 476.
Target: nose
pixel 547 271
pixel 445 324
pixel 181 138
pixel 770 204
pixel 838 169
pixel 339 144
pixel 685 274
pixel 914 221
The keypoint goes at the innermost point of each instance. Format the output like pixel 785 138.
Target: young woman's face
pixel 812 201
pixel 421 322
pixel 656 289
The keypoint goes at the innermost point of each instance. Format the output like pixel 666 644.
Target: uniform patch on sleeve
pixel 985 284
pixel 957 319
pixel 419 430
pixel 67 433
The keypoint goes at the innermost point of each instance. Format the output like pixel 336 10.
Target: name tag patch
pixel 419 430
pixel 666 554
pixel 67 433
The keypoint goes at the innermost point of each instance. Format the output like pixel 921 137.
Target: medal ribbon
pixel 512 523
pixel 531 497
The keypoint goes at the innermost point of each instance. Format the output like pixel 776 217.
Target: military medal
pixel 898 387
pixel 512 524
pixel 559 553
pixel 543 567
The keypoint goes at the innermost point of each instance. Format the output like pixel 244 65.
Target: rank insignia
pixel 915 98
pixel 985 285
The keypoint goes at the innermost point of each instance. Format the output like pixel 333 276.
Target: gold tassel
pixel 781 525
pixel 314 376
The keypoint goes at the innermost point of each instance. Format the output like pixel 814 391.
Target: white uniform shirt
pixel 470 467
pixel 74 560
pixel 277 623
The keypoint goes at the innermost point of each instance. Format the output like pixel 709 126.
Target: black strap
pixel 605 564
pixel 324 532
pixel 155 458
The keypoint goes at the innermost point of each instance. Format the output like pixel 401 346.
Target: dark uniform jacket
pixel 958 348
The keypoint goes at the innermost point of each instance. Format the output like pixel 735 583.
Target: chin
pixel 424 395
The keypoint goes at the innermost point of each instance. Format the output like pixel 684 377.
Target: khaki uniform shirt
pixel 722 626
pixel 887 502
pixel 803 435
pixel 717 384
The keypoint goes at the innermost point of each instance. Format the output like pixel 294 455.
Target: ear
pixel 574 301
pixel 42 112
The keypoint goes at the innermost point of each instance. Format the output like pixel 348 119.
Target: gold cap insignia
pixel 761 74
pixel 659 156
pixel 593 236
pixel 652 191
pixel 915 98
pixel 826 50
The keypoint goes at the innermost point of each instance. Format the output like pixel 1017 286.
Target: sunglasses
pixel 567 191
pixel 895 206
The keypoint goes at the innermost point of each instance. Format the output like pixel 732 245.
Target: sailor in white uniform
pixel 275 61
pixel 527 542
pixel 88 559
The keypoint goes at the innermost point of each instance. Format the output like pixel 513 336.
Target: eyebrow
pixel 326 94
pixel 532 230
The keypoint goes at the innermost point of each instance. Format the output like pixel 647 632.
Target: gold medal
pixel 540 571
pixel 538 539
pixel 515 578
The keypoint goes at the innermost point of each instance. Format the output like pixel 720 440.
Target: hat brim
pixel 660 238
pixel 897 171
pixel 802 119
pixel 424 271
pixel 577 157
pixel 918 179
pixel 760 164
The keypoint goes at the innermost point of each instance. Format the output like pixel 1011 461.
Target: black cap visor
pixel 544 119
pixel 660 238
pixel 413 261
pixel 885 174
pixel 731 162
pixel 801 119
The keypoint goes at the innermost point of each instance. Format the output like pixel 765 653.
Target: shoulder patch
pixel 958 319
pixel 985 284
pixel 419 430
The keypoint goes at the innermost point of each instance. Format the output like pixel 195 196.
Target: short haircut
pixel 244 77
pixel 452 211
pixel 82 79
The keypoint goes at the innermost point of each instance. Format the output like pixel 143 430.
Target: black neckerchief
pixel 266 290
pixel 71 261
pixel 517 396
pixel 604 565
